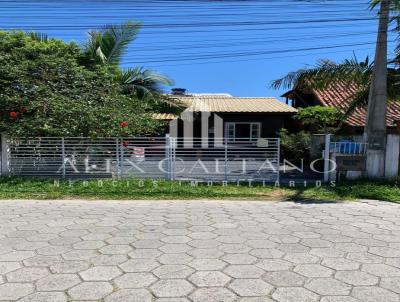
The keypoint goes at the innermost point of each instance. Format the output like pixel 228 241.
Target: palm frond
pixel 358 100
pixel 326 73
pixel 143 82
pixel 37 36
pixel 111 43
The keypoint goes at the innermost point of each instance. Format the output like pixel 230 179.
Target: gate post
pixel 117 155
pixel 326 156
pixel 5 163
pixel 63 156
pixel 168 155
pixel 226 160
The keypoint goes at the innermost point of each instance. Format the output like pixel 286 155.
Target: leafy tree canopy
pixel 319 118
pixel 44 91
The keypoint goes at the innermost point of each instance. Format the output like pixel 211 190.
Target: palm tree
pixel 142 82
pixel 376 83
pixel 327 73
pixel 108 46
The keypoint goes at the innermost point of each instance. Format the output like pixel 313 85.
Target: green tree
pixel 320 119
pixel 44 91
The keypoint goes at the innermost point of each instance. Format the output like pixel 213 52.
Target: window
pixel 234 131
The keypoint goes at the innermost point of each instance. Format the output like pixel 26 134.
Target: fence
pixel 155 157
pixel 345 147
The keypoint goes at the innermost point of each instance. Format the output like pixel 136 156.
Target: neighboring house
pixel 225 116
pixel 340 96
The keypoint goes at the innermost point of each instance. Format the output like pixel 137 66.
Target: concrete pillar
pixel 218 130
pixel 187 117
pixel 392 156
pixel 173 128
pixel 5 163
pixel 204 129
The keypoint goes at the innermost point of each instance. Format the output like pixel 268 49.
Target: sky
pixel 221 46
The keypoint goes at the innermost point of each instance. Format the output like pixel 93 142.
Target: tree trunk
pixel 375 128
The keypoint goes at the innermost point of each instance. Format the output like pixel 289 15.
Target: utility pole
pixel 375 128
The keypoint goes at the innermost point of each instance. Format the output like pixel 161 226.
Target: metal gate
pixel 146 157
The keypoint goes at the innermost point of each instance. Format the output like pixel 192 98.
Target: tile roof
pixel 225 103
pixel 340 96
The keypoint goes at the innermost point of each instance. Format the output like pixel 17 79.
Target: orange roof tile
pixel 340 96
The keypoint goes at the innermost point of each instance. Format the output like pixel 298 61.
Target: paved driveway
pixel 199 251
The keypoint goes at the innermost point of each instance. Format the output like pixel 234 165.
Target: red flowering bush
pixel 124 124
pixel 13 114
pixel 46 89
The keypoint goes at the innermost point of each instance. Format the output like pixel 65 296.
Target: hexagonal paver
pixel 250 287
pixel 239 259
pixel 100 273
pixel 108 260
pixel 129 295
pixel 135 280
pixel 266 253
pixel 261 244
pixel 244 271
pixel 88 245
pixel 139 265
pixel 209 278
pixel 145 253
pixel 171 288
pixel 14 291
pixel 284 278
pixel 339 299
pixel 207 264
pixel 316 243
pixel 176 239
pixel 173 271
pixel 299 258
pixel 175 258
pixel 57 282
pixel 391 283
pixel 328 286
pixel 175 248
pixel 340 264
pixel 27 274
pixel 45 297
pixel 90 290
pixel 291 294
pixel 381 270
pixel 66 267
pixel 313 270
pixel 199 251
pixel 6 267
pixel 271 265
pixel 205 253
pixel 213 294
pixel 374 294
pixel 115 249
pixel 384 252
pixel 356 278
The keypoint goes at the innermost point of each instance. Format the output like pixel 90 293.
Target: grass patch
pixel 134 189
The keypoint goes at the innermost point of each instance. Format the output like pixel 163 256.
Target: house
pixel 340 96
pixel 226 116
